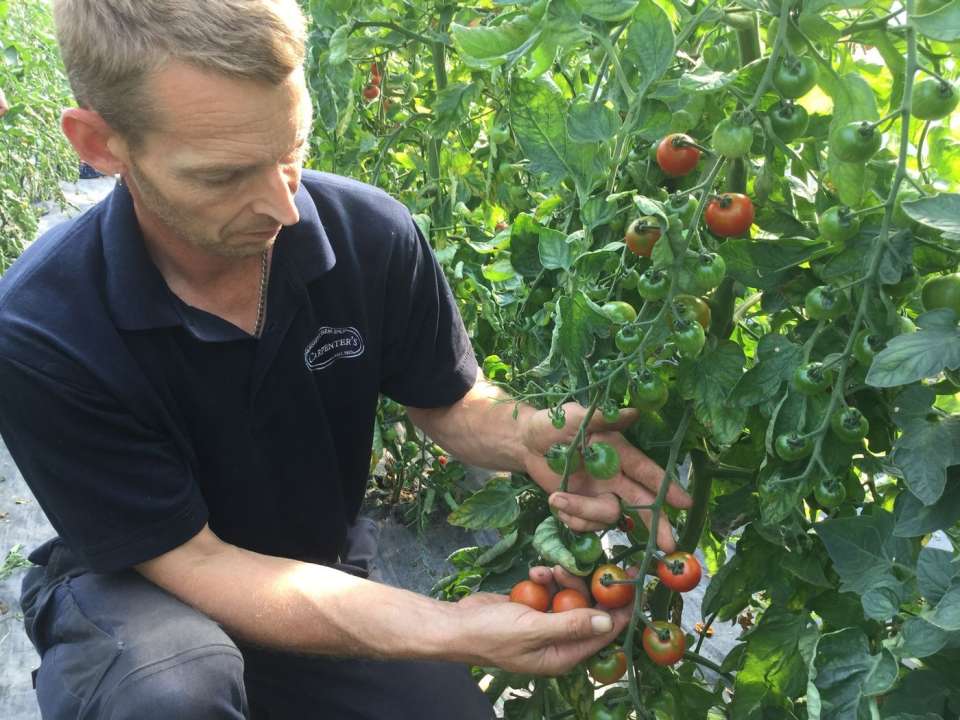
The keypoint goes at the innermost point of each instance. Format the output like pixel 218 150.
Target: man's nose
pixel 276 197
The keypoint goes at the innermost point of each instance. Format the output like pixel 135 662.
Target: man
pixel 189 375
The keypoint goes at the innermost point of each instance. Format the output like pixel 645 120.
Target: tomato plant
pixel 527 139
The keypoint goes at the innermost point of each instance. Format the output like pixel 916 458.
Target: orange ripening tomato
pixel 533 595
pixel 611 596
pixel 569 599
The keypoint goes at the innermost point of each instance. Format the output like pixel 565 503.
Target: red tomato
pixel 729 215
pixel 371 93
pixel 676 155
pixel 533 595
pixel 679 571
pixel 442 460
pixel 569 599
pixel 665 643
pixel 611 596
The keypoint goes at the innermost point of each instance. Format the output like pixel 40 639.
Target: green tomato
pixel 794 36
pixel 627 339
pixel 601 460
pixel 499 134
pixel 653 285
pixel 825 303
pixel 933 99
pixel 866 346
pixel 610 412
pixel 619 312
pixel 683 206
pixel 601 711
pixel 794 77
pixel 732 139
pixel 558 418
pixel 849 425
pixel 689 338
pixel 942 292
pixel 587 549
pixel 608 666
pixel 789 120
pixel 649 392
pixel 856 142
pixel 556 459
pixel 811 379
pixel 790 446
pixel 829 493
pixel 839 224
pixel 708 271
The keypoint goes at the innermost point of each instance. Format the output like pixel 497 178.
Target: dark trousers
pixel 117 647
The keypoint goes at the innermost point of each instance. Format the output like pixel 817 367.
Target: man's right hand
pixel 519 639
pixel 3 104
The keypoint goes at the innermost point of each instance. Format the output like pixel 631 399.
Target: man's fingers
pixel 638 467
pixel 586 513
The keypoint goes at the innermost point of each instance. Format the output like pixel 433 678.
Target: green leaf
pixel 946 615
pixel 525 246
pixel 806 567
pixel 548 541
pixel 499 271
pixel 774 670
pixel 940 211
pixel 928 445
pixel 708 381
pixel 763 264
pixel 747 572
pixel 608 10
pixel 921 639
pixel 941 24
pixel 495 506
pixel 847 675
pixel 451 106
pixel 915 356
pixel 653 120
pixel 777 360
pixel 915 520
pixel 704 80
pixel 555 251
pixel 592 122
pixel 580 320
pixel 935 573
pixel 487 47
pixel 865 554
pixel 538 116
pixel 650 43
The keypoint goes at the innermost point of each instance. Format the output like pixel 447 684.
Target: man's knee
pixel 204 684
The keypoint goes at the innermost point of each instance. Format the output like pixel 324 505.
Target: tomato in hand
pixel 608 666
pixel 856 142
pixel 838 224
pixel 679 571
pixel 586 549
pixel 642 235
pixel 942 292
pixel 732 138
pixel 649 392
pixel 788 120
pixel 933 99
pixel 849 425
pixel 825 303
pixel 664 642
pixel 653 285
pixel 601 460
pixel 792 446
pixel 557 459
pixel 611 596
pixel 729 215
pixel 533 595
pixel 569 599
pixel 794 77
pixel 676 155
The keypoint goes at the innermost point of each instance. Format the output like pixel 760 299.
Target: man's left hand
pixel 590 504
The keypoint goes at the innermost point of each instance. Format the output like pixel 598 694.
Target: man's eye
pixel 219 179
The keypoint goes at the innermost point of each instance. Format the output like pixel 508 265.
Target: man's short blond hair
pixel 110 49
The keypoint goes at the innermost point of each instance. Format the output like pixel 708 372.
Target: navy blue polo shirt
pixel 136 418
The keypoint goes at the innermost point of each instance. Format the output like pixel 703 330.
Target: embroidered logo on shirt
pixel 332 344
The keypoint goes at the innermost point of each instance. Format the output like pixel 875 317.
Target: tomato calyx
pixel 792 446
pixel 654 284
pixel 849 424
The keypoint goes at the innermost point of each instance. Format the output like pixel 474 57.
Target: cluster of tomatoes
pixel 371 91
pixel 611 588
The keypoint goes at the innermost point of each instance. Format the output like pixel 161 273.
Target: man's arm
pixel 302 607
pixel 480 429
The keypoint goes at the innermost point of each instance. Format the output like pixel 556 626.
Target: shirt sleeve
pixel 117 492
pixel 428 360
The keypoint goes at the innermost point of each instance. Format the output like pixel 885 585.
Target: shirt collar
pixel 138 296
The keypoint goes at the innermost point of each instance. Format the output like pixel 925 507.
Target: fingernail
pixel 558 501
pixel 601 624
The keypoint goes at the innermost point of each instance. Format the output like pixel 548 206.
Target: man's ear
pixel 96 143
